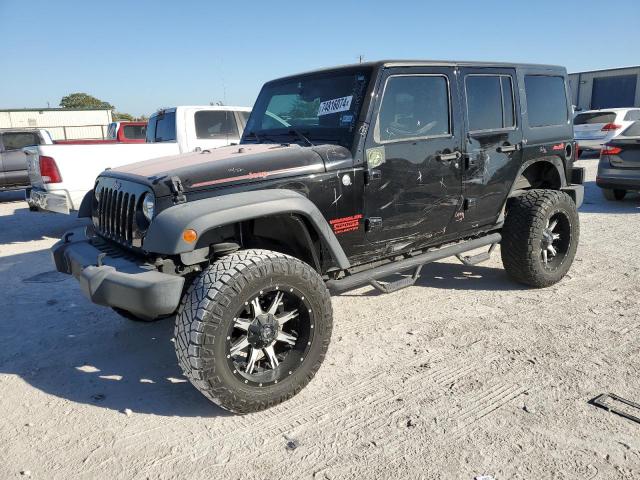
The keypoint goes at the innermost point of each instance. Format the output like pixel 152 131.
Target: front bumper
pixel 617 178
pixel 53 202
pixel 116 281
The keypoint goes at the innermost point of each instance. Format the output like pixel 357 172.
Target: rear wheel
pixel 614 194
pixel 540 237
pixel 253 329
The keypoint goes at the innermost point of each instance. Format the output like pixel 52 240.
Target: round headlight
pixel 148 205
pixel 96 193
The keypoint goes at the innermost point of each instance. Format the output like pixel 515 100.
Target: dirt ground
pixel 465 374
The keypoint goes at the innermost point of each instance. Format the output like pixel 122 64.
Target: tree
pixel 84 100
pixel 120 116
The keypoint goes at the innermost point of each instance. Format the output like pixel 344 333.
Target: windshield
pixel 323 107
pixel 594 117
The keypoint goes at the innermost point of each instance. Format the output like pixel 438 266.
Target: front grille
pixel 115 214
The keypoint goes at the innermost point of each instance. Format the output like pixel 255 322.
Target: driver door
pixel 413 154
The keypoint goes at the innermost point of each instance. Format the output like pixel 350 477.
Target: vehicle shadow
pixel 12 196
pixel 23 225
pixel 455 276
pixel 61 344
pixel 594 201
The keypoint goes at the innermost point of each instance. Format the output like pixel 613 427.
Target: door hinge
pixel 372 223
pixel 372 175
pixel 470 203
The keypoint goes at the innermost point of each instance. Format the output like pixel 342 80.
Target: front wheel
pixel 540 237
pixel 253 329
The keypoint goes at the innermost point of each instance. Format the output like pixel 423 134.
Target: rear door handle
pixel 508 148
pixel 447 157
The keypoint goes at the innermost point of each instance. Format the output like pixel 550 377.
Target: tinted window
pixel 489 102
pixel 215 124
pixel 632 131
pixel 546 100
pixel 162 127
pixel 632 115
pixel 596 117
pixel 413 107
pixel 135 132
pixel 18 140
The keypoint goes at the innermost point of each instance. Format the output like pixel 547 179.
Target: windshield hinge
pixel 175 184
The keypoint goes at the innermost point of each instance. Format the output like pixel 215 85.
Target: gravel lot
pixel 462 375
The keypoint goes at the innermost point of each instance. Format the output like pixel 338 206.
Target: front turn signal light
pixel 189 235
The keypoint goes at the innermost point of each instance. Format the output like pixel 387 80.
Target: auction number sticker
pixel 336 105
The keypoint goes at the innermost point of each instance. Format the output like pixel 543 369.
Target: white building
pixel 62 123
pixel 611 88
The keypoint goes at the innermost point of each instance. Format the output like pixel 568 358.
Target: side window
pixel 546 100
pixel 165 127
pixel 245 116
pixel 18 140
pixel 413 107
pixel 490 103
pixel 632 115
pixel 215 124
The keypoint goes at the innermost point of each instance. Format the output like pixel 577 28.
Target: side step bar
pixel 371 276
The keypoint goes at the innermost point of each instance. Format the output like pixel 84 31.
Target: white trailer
pixel 62 123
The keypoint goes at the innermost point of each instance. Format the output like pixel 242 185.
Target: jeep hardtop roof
pixel 425 63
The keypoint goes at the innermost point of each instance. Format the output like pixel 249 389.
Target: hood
pixel 233 165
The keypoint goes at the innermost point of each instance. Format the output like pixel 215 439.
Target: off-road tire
pixel 207 311
pixel 614 194
pixel 522 236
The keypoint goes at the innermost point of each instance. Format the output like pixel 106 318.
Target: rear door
pixel 14 161
pixel 493 142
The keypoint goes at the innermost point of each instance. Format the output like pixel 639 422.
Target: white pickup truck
pixel 61 175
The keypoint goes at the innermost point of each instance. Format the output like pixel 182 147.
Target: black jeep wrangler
pixel 343 178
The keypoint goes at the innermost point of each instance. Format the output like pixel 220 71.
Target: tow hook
pixel 66 237
pixel 100 258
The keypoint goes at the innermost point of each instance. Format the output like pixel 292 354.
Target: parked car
pixel 382 168
pixel 619 166
pixel 13 161
pixel 117 132
pixel 61 175
pixel 594 128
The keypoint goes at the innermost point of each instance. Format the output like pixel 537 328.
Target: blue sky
pixel 142 55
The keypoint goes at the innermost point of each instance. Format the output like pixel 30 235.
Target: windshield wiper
pixel 301 136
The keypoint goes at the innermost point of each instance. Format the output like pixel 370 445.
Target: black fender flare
pixel 165 232
pixel 85 206
pixel 551 160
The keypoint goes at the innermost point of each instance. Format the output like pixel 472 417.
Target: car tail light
pixel 609 150
pixel 49 170
pixel 611 126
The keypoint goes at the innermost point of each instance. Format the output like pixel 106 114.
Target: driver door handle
pixel 447 157
pixel 508 148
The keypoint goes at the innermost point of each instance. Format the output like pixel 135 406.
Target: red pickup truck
pixel 118 132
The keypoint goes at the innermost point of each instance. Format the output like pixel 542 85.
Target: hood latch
pixel 175 184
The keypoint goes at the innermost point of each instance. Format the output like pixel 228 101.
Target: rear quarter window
pixel 546 100
pixel 632 115
pixel 632 131
pixel 135 132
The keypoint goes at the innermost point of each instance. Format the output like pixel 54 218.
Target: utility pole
pixel 360 58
